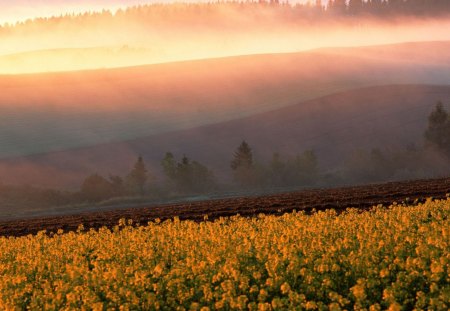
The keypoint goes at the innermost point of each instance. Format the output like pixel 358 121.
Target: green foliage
pixel 438 131
pixel 243 157
pixel 373 166
pixel 169 166
pixel 96 188
pixel 117 185
pixel 244 171
pixel 301 170
pixel 18 197
pixel 364 166
pixel 137 178
pixel 188 176
pixel 277 169
pixel 305 167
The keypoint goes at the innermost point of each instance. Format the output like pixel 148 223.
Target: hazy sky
pixel 16 10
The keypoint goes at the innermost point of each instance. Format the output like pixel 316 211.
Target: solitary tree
pixel 242 165
pixel 243 157
pixel 138 177
pixel 169 166
pixel 438 131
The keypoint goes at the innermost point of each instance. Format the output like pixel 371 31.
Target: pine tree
pixel 138 177
pixel 169 166
pixel 243 157
pixel 243 167
pixel 438 131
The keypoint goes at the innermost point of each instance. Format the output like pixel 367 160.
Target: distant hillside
pixel 66 59
pixel 42 113
pixel 389 117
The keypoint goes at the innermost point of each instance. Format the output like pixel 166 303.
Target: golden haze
pixel 181 33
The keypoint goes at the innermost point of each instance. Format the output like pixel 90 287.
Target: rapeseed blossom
pixel 395 258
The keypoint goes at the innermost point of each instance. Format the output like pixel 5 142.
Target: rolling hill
pixel 41 113
pixel 386 117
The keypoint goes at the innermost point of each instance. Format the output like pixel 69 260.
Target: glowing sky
pixel 17 10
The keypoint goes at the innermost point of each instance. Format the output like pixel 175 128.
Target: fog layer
pixel 159 34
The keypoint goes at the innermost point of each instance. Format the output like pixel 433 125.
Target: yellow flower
pixel 285 288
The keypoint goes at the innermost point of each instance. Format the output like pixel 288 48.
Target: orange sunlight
pixel 105 40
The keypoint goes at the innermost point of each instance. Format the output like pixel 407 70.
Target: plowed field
pixel 361 197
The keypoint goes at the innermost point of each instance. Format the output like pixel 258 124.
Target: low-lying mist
pixel 44 113
pixel 177 32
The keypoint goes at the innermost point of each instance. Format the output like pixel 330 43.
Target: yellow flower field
pixel 389 258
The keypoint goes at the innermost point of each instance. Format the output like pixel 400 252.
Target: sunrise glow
pixel 224 155
pixel 110 39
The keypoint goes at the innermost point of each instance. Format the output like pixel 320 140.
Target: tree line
pixel 387 7
pixel 190 177
pixel 185 176
pixel 159 13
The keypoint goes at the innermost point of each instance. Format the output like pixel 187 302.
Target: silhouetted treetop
pixel 438 131
pixel 138 177
pixel 222 12
pixel 243 157
pixel 187 176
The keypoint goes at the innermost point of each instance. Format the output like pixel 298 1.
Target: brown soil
pixel 361 197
